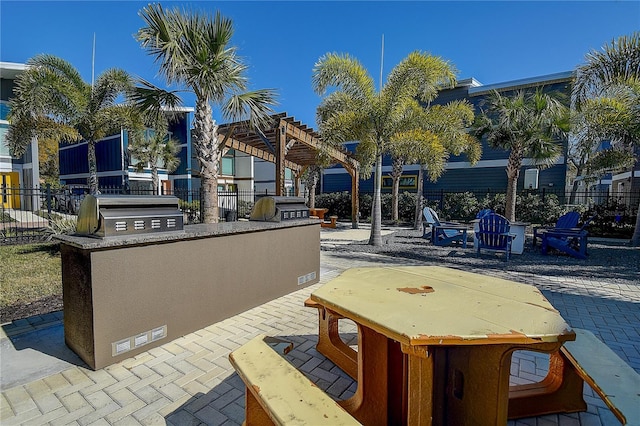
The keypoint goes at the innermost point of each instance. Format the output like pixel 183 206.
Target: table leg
pixel 329 342
pixel 378 400
pixel 420 388
pixel 461 384
pixel 559 392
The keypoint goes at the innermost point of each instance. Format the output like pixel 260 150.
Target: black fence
pixel 623 203
pixel 35 214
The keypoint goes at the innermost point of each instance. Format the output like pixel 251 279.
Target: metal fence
pixel 622 203
pixel 35 214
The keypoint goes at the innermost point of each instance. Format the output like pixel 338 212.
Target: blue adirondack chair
pixel 493 234
pixel 570 241
pixel 443 233
pixel 482 213
pixel 428 220
pixel 565 222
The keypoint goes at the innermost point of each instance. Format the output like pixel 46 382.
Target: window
pixel 228 163
pixel 406 182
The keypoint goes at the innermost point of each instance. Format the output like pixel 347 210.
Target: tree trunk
pixel 418 217
pixel 155 179
pixel 635 239
pixel 205 143
pixel 376 209
pixel 510 200
pixel 92 181
pixel 209 199
pixel 574 186
pixel 513 171
pixel 396 174
pixel 312 194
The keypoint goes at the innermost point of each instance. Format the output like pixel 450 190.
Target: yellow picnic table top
pixel 432 305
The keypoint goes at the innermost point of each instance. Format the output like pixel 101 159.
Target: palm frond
pixel 152 100
pixel 419 75
pixel 343 73
pixel 616 61
pixel 256 105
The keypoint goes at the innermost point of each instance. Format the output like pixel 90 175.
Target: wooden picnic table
pixel 435 344
pixel 318 212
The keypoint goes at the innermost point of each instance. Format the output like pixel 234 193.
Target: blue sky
pixel 491 41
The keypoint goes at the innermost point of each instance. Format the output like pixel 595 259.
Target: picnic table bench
pixel 277 393
pixel 332 223
pixel 587 359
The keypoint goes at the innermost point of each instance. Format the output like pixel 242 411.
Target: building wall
pixel 490 171
pixel 21 172
pixel 113 165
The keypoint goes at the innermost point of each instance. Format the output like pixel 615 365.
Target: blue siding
pixel 109 155
pixel 184 164
pixel 180 132
pixel 73 160
pixel 467 179
pixel 110 181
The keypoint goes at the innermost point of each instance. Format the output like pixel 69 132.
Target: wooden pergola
pixel 290 145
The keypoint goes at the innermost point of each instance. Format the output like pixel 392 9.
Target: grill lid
pixel 110 215
pixel 277 209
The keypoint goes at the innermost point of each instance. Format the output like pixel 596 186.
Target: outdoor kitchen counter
pixel 190 232
pixel 123 295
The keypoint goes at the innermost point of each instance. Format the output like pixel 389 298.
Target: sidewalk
pixel 190 380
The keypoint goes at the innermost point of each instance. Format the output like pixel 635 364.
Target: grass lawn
pixel 28 273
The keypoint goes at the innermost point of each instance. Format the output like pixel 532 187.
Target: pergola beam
pixel 259 153
pixel 290 145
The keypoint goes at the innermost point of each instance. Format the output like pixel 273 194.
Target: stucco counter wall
pixel 125 295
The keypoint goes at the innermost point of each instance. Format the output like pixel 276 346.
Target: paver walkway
pixel 190 381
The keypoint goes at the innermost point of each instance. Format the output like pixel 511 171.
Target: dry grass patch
pixel 28 274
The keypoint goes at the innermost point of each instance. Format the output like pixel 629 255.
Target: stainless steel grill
pixel 277 209
pixel 113 215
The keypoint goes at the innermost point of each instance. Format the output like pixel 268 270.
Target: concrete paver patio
pixel 190 381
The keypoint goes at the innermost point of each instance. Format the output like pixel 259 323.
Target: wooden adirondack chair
pixel 566 221
pixel 443 233
pixel 493 234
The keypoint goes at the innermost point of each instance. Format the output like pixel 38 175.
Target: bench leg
pixel 559 392
pixel 378 400
pixel 330 344
pixel 254 413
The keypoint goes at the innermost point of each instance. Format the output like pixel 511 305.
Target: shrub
pixel 407 207
pixel 244 208
pixel 59 225
pixel 338 203
pixel 462 206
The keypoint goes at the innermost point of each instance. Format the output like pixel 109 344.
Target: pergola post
pixel 355 202
pixel 281 145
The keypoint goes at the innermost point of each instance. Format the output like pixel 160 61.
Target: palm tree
pixel 441 130
pixel 155 148
pixel 527 125
pixel 52 102
pixel 606 95
pixel 355 111
pixel 193 51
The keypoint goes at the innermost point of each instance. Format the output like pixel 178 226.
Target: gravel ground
pixel 611 260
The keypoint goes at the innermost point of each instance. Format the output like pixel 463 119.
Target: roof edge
pixel 525 82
